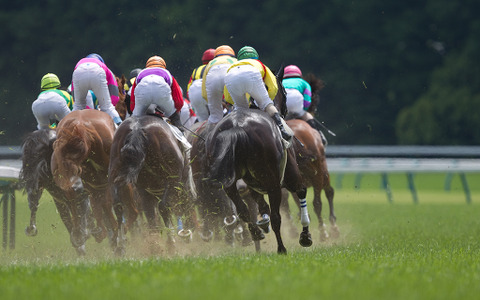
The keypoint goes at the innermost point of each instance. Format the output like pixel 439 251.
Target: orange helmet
pixel 224 50
pixel 208 55
pixel 156 61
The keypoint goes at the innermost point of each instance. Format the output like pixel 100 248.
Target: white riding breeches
pixel 48 107
pixel 90 76
pixel 244 79
pixel 294 104
pixel 214 83
pixel 199 103
pixel 153 89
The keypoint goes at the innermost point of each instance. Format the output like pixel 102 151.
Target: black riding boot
pixel 278 120
pixel 175 119
pixel 314 125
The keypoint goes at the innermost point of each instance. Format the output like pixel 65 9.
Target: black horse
pixel 246 144
pixel 36 176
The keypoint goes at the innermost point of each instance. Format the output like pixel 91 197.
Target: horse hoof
pixel 256 233
pixel 230 221
pixel 207 237
pixel 120 251
pixel 238 233
pixel 305 239
pixel 31 230
pixel 264 223
pixel 81 250
pixel 229 239
pixel 185 235
pixel 335 232
pixel 282 250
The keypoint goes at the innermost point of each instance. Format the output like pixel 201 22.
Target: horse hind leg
pixel 33 200
pixel 334 231
pixel 317 207
pixel 275 199
pixel 305 236
pixel 244 214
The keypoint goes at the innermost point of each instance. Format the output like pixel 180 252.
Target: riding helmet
pixel 96 56
pixel 208 55
pixel 156 61
pixel 224 50
pixel 292 71
pixel 247 52
pixel 50 81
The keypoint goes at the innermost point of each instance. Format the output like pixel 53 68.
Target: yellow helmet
pixel 156 61
pixel 224 50
pixel 50 81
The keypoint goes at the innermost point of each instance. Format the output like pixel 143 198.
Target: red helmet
pixel 208 55
pixel 292 71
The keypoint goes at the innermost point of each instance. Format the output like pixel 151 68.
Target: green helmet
pixel 247 52
pixel 50 81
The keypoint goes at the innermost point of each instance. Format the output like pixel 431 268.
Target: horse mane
pixel 73 145
pixel 222 148
pixel 37 150
pixel 316 84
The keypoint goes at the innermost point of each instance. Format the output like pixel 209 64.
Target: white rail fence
pixel 341 160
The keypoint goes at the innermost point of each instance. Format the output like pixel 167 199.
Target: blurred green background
pixel 396 72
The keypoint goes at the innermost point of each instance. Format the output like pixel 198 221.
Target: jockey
pixel 299 97
pixel 52 104
pixel 250 75
pixel 128 88
pixel 194 87
pixel 213 81
pixel 91 73
pixel 155 85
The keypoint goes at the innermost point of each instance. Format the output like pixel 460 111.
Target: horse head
pixel 121 105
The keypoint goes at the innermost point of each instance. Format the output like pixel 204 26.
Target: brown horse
pixel 79 166
pixel 310 155
pixel 246 144
pixel 121 106
pixel 146 154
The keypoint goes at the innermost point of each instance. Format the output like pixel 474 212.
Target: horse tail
pixel 132 155
pixel 223 149
pixel 37 149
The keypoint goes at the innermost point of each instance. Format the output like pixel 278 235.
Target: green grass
pixel 399 250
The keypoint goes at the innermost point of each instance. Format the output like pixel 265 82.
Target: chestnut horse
pixel 246 144
pixel 79 166
pixel 146 154
pixel 310 154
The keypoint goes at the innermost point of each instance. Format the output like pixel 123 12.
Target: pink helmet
pixel 292 71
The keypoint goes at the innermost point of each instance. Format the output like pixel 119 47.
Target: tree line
pixel 395 72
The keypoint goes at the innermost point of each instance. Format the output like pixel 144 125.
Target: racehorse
pixel 145 153
pixel 214 207
pixel 121 105
pixel 79 165
pixel 310 155
pixel 36 176
pixel 246 144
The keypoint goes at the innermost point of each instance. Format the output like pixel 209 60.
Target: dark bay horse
pixel 310 155
pixel 146 154
pixel 246 144
pixel 79 165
